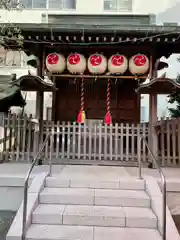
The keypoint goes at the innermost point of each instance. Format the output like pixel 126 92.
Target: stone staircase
pixel 88 209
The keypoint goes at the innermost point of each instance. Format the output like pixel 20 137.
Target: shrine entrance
pixel 125 102
pixel 105 52
pixel 94 141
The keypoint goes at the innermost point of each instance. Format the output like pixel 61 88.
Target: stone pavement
pixel 80 171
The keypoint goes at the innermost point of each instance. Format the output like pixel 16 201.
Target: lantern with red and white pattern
pixel 97 64
pixel 139 64
pixel 76 63
pixel 117 64
pixel 55 63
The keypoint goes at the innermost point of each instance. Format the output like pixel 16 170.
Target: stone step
pixel 104 216
pixel 57 232
pixel 101 197
pixel 124 183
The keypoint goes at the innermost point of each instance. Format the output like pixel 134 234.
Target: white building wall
pixel 89 7
pixel 84 7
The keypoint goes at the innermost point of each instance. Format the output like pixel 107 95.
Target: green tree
pixel 10 34
pixel 175 98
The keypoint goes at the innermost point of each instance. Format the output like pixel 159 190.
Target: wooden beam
pixel 96 76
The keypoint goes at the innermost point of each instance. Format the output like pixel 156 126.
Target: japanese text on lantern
pixel 74 59
pixel 117 60
pixel 53 59
pixel 139 60
pixel 95 60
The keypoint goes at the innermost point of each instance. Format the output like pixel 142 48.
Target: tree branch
pixel 10 34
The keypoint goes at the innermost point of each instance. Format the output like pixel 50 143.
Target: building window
pixel 11 58
pixel 26 3
pixel 39 4
pixel 50 4
pixel 62 4
pixel 29 4
pixel 118 5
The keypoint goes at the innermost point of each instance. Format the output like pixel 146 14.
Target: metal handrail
pixel 35 159
pixel 163 180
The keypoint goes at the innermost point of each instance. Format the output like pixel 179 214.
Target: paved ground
pixel 100 172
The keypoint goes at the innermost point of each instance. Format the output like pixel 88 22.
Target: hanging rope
pixel 108 118
pixel 82 116
pixel 82 95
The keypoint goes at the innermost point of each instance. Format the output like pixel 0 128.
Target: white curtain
pixel 55 4
pixel 68 4
pixel 124 5
pixel 62 4
pixel 39 4
pixel 110 4
pixel 118 5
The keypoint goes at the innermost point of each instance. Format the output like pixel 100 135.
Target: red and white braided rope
pixel 82 94
pixel 108 101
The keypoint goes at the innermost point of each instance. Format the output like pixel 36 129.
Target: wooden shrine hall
pixel 99 68
pixel 103 41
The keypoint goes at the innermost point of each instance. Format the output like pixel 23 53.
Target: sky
pixel 153 6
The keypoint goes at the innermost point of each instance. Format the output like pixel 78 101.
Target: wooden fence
pixel 20 138
pixel 168 133
pixel 90 143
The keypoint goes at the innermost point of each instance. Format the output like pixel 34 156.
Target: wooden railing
pixel 92 142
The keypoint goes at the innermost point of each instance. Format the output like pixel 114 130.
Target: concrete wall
pixel 11 192
pixel 11 198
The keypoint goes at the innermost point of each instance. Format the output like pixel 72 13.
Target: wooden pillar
pixel 39 105
pixel 152 120
pixel 40 96
pixel 53 113
pixel 153 140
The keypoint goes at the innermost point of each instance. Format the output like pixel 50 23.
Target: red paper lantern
pixel 76 63
pixel 117 64
pixel 55 63
pixel 97 64
pixel 139 64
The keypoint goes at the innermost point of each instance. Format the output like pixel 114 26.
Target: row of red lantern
pixel 97 63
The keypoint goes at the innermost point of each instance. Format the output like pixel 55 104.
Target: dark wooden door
pixel 125 102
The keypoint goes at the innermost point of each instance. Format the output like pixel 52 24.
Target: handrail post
pixel 139 159
pixel 35 159
pixel 163 179
pixel 164 210
pixel 51 152
pixel 24 210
